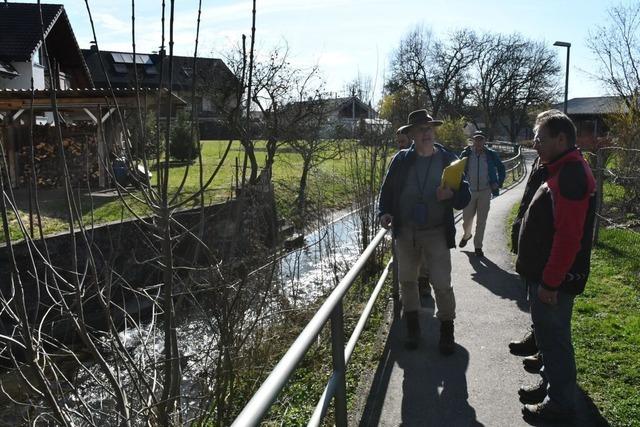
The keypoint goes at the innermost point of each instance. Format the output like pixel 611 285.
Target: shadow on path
pixel 434 387
pixel 497 280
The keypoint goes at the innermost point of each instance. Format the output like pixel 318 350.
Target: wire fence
pixel 618 190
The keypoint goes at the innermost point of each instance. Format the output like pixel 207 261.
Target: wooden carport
pixel 97 108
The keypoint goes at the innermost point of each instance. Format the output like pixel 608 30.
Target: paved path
pixel 477 386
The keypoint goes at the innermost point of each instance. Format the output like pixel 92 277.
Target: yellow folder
pixel 452 174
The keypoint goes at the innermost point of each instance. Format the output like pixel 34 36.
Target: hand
pixel 444 193
pixel 385 221
pixel 547 296
pixel 494 186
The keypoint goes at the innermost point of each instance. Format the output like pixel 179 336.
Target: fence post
pixel 337 354
pixel 599 189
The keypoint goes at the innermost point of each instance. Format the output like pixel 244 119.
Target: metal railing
pixel 514 165
pixel 332 309
pixel 263 399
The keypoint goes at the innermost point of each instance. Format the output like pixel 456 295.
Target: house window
pixel 120 68
pixel 150 70
pixel 37 57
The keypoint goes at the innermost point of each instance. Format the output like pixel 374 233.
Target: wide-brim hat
pixel 419 118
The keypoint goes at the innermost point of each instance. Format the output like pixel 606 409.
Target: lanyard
pixel 422 184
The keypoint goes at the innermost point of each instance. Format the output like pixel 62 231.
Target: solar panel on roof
pixel 127 58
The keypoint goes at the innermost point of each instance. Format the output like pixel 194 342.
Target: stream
pixel 303 276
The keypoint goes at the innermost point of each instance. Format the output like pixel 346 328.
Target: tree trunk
pixel 302 188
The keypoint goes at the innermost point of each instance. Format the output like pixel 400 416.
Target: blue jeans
pixel 552 327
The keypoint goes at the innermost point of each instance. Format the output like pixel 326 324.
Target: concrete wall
pixel 120 250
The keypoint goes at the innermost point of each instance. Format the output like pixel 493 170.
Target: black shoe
pixel 463 241
pixel 413 330
pixel 525 347
pixel 447 343
pixel 534 393
pixel 479 252
pixel 533 363
pixel 547 411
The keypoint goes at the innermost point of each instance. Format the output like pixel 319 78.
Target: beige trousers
pixel 479 207
pixel 413 248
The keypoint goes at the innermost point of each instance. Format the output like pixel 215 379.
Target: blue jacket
pixel 395 179
pixel 495 167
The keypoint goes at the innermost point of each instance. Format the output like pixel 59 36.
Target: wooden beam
pixel 86 110
pixel 106 116
pixel 17 114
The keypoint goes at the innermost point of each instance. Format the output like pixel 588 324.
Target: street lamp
pixel 566 81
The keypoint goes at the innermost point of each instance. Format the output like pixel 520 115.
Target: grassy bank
pixel 327 187
pixel 606 327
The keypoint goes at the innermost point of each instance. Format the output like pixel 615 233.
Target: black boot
pixel 413 330
pixel 534 393
pixel 526 346
pixel 447 343
pixel 533 363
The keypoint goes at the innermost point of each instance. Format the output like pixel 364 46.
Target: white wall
pixel 23 81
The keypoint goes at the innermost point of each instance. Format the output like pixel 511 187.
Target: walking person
pixel 555 232
pixel 420 210
pixel 485 172
pixel 403 143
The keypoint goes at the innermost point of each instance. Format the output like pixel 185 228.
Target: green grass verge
pixel 606 327
pixel 328 187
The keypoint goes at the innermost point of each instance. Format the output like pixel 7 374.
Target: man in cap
pixel 555 232
pixel 420 210
pixel 485 172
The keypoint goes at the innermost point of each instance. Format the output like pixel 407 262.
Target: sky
pixel 346 38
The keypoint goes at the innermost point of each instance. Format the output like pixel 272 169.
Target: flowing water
pixel 303 276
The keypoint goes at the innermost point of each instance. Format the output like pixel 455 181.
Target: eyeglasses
pixel 538 141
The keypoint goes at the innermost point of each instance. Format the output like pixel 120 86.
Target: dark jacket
pixel 394 181
pixel 494 166
pixel 555 222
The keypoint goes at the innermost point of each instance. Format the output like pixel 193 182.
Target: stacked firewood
pixel 80 157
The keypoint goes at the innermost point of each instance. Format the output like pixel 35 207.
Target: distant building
pixel 589 116
pixel 22 53
pixel 215 90
pixel 90 127
pixel 344 115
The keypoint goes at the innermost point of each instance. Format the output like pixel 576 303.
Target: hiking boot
pixel 533 393
pixel 464 240
pixel 447 343
pixel 533 363
pixel 424 287
pixel 413 330
pixel 525 347
pixel 479 253
pixel 547 411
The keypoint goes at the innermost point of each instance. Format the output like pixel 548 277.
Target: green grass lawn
pixel 328 186
pixel 606 327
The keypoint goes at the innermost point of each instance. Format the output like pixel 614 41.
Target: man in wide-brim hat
pixel 420 210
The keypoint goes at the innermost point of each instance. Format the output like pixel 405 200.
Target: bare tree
pixel 313 139
pixel 616 45
pixel 510 75
pixel 432 69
